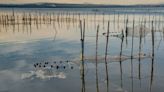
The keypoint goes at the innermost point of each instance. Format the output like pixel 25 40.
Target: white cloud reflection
pixel 43 74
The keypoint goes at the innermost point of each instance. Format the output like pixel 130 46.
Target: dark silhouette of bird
pixel 35 65
pixel 57 67
pixel 52 66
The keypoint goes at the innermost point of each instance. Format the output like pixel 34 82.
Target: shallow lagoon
pixel 45 35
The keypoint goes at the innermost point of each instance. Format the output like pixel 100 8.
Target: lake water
pixel 41 50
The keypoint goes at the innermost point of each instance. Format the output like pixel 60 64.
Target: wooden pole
pixel 97 83
pixel 106 51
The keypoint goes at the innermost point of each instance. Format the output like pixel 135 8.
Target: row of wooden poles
pixel 37 19
pixel 82 30
pixel 58 19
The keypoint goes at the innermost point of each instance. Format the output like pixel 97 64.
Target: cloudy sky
pixel 89 1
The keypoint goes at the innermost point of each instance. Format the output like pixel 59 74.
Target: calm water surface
pixel 29 38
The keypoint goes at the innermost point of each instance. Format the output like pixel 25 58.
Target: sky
pixel 120 2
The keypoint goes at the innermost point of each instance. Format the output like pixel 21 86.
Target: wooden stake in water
pixel 163 27
pixel 132 40
pixel 163 33
pixel 145 30
pixel 149 20
pixel 97 83
pixel 114 21
pixel 82 59
pixel 152 64
pixel 132 58
pixel 103 20
pixel 126 31
pixel 139 60
pixel 152 33
pixel 106 51
pixel 30 20
pixel 122 40
pixel 118 21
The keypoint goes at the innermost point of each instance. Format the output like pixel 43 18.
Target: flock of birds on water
pixel 54 65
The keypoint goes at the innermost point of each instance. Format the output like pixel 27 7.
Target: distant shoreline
pixel 60 5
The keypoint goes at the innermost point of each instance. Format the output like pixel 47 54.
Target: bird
pixel 57 67
pixel 51 66
pixel 71 67
pixel 34 65
pixel 104 33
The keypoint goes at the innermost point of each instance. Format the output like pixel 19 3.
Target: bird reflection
pixel 46 70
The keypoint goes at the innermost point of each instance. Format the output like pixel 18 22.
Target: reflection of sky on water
pixel 18 59
pixel 14 63
pixel 19 51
